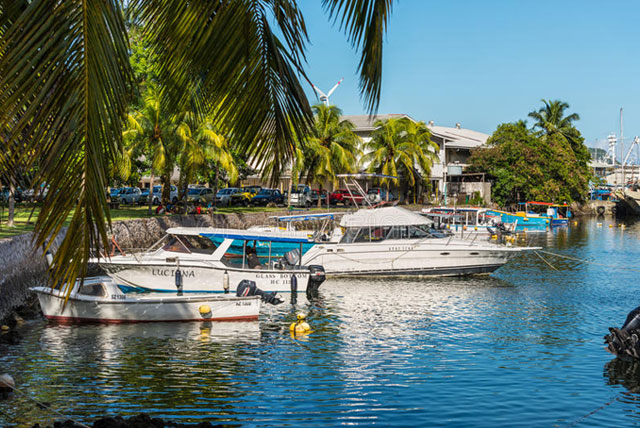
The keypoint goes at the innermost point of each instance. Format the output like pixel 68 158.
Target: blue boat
pixel 524 222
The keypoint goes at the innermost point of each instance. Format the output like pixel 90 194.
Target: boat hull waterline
pixel 121 308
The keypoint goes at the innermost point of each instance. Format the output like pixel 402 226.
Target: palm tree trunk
pixel 215 186
pixel 151 193
pixel 319 195
pixel 12 191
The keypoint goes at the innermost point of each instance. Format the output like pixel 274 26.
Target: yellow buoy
pixel 610 226
pixel 599 224
pixel 300 326
pixel 5 328
pixel 205 310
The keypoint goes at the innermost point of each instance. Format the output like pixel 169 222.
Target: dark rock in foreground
pixel 140 421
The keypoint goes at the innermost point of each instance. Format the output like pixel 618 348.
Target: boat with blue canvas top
pixel 205 266
pixel 523 221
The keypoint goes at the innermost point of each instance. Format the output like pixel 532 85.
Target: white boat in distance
pixel 389 241
pixel 99 299
pixel 206 267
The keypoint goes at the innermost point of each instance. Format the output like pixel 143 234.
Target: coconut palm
pixel 400 146
pixel 202 143
pixel 149 130
pixel 331 147
pixel 551 120
pixel 64 70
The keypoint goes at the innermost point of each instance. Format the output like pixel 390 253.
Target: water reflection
pixel 525 341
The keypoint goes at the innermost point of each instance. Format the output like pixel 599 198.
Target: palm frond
pixel 365 24
pixel 65 77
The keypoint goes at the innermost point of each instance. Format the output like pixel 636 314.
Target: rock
pixel 7 381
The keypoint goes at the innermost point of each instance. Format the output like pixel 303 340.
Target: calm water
pixel 522 347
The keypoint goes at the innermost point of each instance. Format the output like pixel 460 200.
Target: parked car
pixel 377 195
pixel 267 196
pixel 244 196
pixel 223 197
pixel 301 196
pixel 17 195
pixel 201 195
pixel 315 194
pixel 130 195
pixel 157 195
pixel 338 196
pixel 31 195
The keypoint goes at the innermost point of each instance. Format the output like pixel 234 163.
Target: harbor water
pixel 521 347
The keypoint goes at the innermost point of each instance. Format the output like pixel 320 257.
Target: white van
pixel 301 197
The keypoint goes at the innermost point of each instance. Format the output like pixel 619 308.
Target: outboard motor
pixel 316 277
pixel 625 342
pixel 248 288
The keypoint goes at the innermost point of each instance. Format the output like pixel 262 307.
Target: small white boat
pixel 99 299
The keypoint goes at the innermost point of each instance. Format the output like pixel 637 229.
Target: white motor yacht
pixel 396 241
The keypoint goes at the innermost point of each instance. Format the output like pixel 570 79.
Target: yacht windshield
pixel 380 233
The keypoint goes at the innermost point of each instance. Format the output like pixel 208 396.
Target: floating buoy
pixel 5 328
pixel 575 223
pixel 300 326
pixel 205 311
pixel 622 226
pixel 599 224
pixel 610 226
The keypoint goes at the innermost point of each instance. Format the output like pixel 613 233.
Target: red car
pixel 343 196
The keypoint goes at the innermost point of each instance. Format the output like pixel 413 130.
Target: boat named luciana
pixel 206 267
pixel 99 299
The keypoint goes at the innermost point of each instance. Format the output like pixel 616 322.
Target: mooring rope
pixel 589 261
pixel 544 260
pixel 46 407
pixel 593 412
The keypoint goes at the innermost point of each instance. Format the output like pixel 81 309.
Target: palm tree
pixel 201 144
pixel 64 69
pixel 331 147
pixel 400 146
pixel 149 130
pixel 551 120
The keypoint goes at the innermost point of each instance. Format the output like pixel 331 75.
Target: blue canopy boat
pixel 278 248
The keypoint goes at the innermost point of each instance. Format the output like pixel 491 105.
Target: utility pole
pixel 622 148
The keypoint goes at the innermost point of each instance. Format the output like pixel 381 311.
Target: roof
pixel 384 216
pixel 241 234
pixel 459 138
pixel 364 122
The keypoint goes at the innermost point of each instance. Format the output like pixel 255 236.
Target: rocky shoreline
pixel 140 421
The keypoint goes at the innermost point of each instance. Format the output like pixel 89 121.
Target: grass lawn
pixel 26 215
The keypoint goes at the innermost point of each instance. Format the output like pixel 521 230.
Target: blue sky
pixel 482 63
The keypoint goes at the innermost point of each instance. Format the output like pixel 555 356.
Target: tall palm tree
pixel 332 146
pixel 551 119
pixel 400 146
pixel 64 68
pixel 149 131
pixel 202 143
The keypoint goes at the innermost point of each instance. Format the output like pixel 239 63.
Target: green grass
pixel 26 215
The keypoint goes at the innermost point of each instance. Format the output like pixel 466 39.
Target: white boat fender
pixel 300 326
pixel 248 288
pixel 225 282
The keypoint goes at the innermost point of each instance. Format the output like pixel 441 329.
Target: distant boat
pixel 99 299
pixel 466 221
pixel 523 221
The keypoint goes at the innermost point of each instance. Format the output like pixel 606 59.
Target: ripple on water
pixel 522 347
